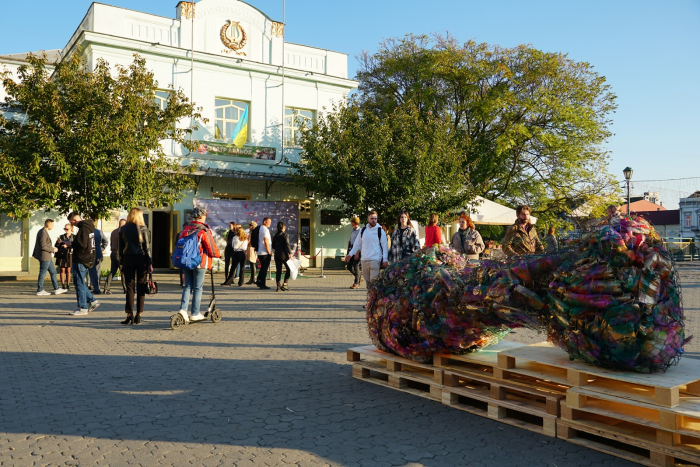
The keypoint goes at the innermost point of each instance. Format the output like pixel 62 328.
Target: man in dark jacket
pixel 43 251
pixel 83 259
pixel 100 247
pixel 114 257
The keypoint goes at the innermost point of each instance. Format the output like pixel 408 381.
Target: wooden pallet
pixel 552 364
pixel 375 366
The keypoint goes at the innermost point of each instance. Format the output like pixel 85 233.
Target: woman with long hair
pixel 239 245
pixel 467 240
pixel 283 251
pixel 551 241
pixel 135 262
pixel 64 255
pixel 433 234
pixel 404 239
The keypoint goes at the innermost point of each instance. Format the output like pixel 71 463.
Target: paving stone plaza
pixel 268 385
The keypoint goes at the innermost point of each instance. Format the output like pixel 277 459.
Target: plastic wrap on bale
pixel 611 299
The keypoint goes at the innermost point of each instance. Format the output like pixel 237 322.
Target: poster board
pixel 222 211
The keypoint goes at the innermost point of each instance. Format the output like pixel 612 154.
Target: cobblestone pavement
pixel 268 385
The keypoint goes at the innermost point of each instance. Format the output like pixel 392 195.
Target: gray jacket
pixel 43 248
pixel 471 246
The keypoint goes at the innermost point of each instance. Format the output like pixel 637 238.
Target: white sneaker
pixel 197 317
pixel 42 293
pixel 184 316
pixel 80 312
pixel 59 291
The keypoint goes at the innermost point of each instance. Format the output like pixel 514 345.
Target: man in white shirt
pixel 264 252
pixel 373 247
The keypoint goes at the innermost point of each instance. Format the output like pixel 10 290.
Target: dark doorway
pixel 161 239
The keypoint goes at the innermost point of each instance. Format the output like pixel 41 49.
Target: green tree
pixel 404 160
pixel 89 140
pixel 531 124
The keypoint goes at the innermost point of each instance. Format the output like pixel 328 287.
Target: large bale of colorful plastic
pixel 611 298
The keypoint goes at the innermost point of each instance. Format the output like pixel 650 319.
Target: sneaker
pixel 79 312
pixel 59 291
pixel 184 316
pixel 93 305
pixel 197 317
pixel 42 293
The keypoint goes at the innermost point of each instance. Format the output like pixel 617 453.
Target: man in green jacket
pixel 521 237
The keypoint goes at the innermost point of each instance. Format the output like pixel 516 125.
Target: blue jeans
pixel 44 267
pixel 95 276
pixel 81 291
pixel 194 281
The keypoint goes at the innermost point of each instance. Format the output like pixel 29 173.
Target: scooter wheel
pixel 215 316
pixel 176 322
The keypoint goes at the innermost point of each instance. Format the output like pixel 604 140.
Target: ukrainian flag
pixel 240 134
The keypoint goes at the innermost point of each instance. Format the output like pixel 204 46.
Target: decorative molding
pixel 229 39
pixel 243 14
pixel 187 10
pixel 277 29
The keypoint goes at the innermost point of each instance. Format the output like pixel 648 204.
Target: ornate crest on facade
pixel 277 29
pixel 187 10
pixel 233 37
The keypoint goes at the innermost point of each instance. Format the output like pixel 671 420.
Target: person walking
pixel 404 239
pixel 521 237
pixel 467 240
pixel 551 241
pixel 373 247
pixel 283 252
pixel 135 263
pixel 240 246
pixel 95 271
pixel 194 278
pixel 433 234
pixel 264 252
pixel 228 251
pixel 251 254
pixel 43 252
pixel 64 255
pixel 83 247
pixel 114 257
pixel 354 265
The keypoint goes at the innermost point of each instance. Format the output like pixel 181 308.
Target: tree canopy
pixel 89 140
pixel 526 126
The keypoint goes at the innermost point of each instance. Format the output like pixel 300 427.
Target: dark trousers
pixel 279 262
pixel 355 270
pixel 264 266
pixel 113 270
pixel 135 270
pixel 237 260
pixel 252 270
pixel 94 273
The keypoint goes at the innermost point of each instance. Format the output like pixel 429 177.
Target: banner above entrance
pixel 217 148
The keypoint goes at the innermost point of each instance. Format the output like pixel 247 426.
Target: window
pixel 161 98
pixel 294 121
pixel 687 220
pixel 228 112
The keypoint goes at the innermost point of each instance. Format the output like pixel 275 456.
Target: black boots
pixel 279 287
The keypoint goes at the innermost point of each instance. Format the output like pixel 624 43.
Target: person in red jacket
pixel 194 278
pixel 433 234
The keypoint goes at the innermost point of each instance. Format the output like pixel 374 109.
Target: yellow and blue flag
pixel 240 133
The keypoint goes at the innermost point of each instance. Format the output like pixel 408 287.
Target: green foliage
pixel 492 232
pixel 404 160
pixel 530 123
pixel 89 140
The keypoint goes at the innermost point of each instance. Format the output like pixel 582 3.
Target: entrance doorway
pixel 161 238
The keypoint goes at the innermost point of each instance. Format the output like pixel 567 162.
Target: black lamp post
pixel 628 177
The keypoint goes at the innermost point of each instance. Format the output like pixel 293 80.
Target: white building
pixel 226 56
pixel 690 216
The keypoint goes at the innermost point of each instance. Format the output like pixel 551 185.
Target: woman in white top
pixel 240 245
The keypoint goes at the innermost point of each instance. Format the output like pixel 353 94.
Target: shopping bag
pixel 293 268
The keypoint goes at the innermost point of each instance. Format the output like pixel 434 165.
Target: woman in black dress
pixel 283 251
pixel 64 255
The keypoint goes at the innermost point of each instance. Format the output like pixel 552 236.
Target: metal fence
pixel 682 249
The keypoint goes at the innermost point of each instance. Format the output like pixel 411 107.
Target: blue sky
pixel 648 50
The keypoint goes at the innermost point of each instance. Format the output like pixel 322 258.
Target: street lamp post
pixel 628 177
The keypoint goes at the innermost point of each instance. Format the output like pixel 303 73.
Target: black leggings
pixel 135 269
pixel 238 257
pixel 278 264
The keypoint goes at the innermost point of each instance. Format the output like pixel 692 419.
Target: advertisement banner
pixel 217 148
pixel 221 212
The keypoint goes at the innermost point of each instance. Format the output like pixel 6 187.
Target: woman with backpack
pixel 467 240
pixel 283 251
pixel 196 241
pixel 239 245
pixel 404 239
pixel 135 262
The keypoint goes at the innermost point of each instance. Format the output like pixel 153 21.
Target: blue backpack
pixel 187 254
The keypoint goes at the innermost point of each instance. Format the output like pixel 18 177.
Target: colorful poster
pixel 217 148
pixel 221 212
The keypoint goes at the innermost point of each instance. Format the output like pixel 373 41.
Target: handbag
pixel 293 269
pixel 151 286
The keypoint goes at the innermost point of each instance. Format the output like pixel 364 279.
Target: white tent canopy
pixel 490 213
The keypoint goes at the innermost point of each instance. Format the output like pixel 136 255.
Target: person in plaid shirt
pixel 521 237
pixel 404 240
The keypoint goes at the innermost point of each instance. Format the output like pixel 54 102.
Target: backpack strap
pixel 379 239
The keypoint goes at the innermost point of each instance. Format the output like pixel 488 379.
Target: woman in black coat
pixel 283 251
